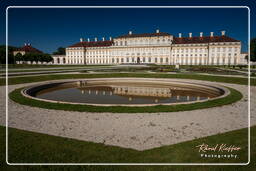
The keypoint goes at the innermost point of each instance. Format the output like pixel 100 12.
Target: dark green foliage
pixel 60 51
pixel 253 50
pixel 10 54
pixel 35 57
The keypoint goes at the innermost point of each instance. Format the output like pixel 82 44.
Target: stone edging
pixel 226 91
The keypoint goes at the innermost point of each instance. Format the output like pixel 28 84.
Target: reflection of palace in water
pixel 142 91
pixel 128 91
pixel 176 93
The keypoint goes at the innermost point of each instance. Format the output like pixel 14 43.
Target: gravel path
pixel 137 131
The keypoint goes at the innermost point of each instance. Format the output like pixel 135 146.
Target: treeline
pixel 33 57
pixel 28 57
pixel 10 54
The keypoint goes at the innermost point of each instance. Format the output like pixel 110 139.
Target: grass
pixel 29 147
pixel 29 79
pixel 39 70
pixel 25 146
pixel 22 66
pixel 231 98
pixel 52 69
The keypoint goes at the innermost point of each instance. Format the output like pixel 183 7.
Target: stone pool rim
pixel 128 79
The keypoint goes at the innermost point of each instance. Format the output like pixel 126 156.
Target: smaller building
pixel 59 59
pixel 244 58
pixel 27 48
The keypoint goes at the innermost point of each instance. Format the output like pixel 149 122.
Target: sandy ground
pixel 137 131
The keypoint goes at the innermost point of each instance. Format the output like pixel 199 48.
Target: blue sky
pixel 48 29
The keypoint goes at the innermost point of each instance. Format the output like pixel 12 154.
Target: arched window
pixel 64 60
pixel 58 60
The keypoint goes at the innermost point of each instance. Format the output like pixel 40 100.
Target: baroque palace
pixel 155 48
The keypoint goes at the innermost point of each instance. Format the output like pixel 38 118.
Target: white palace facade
pixel 155 48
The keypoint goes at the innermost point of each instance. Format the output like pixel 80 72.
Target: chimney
pixel 88 39
pixel 103 38
pixel 190 35
pixel 110 38
pixel 95 39
pixel 81 39
pixel 130 32
pixel 211 34
pixel 180 35
pixel 223 33
pixel 157 30
pixel 201 34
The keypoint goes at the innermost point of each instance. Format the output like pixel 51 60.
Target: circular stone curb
pixel 27 91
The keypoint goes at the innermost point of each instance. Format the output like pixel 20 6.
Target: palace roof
pixel 93 44
pixel 204 39
pixel 144 35
pixel 29 48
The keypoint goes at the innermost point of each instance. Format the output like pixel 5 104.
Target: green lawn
pixel 29 79
pixel 32 147
pixel 231 98
pixel 38 70
pixel 54 69
pixel 21 66
pixel 25 146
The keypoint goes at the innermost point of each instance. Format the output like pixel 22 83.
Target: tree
pixel 253 50
pixel 41 58
pixel 10 54
pixel 26 57
pixel 60 51
pixel 246 57
pixel 48 58
pixel 37 58
pixel 18 57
